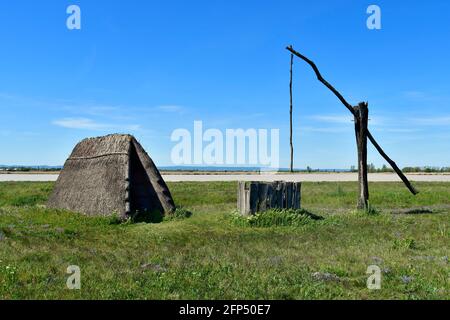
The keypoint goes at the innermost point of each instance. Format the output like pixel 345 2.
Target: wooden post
pixel 290 114
pixel 361 122
pixel 256 197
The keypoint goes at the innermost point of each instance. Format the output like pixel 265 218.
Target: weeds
pixel 407 243
pixel 180 213
pixel 276 217
pixel 371 210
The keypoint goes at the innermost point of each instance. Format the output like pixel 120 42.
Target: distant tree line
pixel 28 169
pixel 427 169
pixel 371 168
pixel 384 168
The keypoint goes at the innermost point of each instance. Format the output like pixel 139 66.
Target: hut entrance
pixel 143 196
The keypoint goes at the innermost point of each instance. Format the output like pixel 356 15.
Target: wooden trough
pixel 256 197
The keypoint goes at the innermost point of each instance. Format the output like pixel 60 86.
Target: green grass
pixel 207 256
pixel 275 217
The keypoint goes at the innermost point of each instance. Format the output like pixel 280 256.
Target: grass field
pixel 207 256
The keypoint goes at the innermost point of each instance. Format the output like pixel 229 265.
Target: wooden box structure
pixel 256 197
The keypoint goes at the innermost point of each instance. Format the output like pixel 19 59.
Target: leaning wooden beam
pixel 350 108
pixel 321 79
pixel 392 163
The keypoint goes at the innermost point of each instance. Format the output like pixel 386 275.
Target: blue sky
pixel 150 67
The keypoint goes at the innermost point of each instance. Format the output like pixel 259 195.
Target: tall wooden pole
pixel 290 114
pixel 361 122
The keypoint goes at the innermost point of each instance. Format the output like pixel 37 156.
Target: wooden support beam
pixel 350 108
pixel 392 164
pixel 361 121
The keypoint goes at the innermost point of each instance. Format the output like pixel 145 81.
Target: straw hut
pixel 111 175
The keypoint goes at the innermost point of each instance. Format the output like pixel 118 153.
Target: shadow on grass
pixel 311 215
pixel 138 217
pixel 414 211
pixel 148 217
pixel 154 216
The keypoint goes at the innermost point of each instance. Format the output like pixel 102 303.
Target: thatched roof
pixel 110 174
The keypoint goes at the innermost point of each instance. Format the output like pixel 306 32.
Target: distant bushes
pixel 427 169
pixel 28 169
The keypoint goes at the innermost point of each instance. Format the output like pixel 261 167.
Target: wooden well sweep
pixel 360 113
